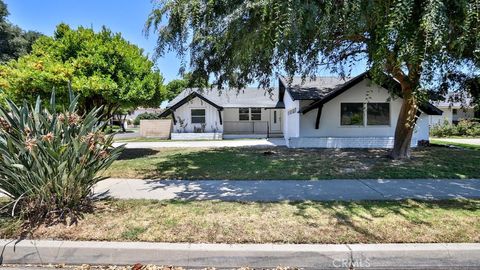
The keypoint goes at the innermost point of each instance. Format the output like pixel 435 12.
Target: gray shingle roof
pixel 451 100
pixel 312 89
pixel 232 98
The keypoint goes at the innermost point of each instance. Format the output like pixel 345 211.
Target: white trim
pixel 342 142
pixel 195 136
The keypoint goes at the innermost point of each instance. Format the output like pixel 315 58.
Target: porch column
pixel 220 116
pixel 319 114
pixel 173 117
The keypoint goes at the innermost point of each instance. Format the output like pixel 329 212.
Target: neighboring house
pixel 250 112
pixel 325 112
pixel 453 112
pixel 140 110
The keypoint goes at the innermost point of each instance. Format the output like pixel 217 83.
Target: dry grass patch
pixel 309 222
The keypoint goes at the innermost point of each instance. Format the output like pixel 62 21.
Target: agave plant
pixel 50 160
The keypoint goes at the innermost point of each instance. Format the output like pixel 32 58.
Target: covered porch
pixel 252 122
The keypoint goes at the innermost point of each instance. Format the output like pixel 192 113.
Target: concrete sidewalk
pixel 292 190
pixel 206 144
pixel 224 256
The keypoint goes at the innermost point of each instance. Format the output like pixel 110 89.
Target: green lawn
pixel 283 163
pixel 232 222
pixel 463 145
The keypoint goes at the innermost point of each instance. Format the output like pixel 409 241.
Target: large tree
pixel 239 42
pixel 175 87
pixel 14 42
pixel 102 67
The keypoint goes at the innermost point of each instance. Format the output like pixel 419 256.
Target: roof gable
pixel 234 98
pixel 311 89
pixel 322 94
pixel 186 99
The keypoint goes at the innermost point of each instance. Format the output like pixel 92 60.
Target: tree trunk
pixel 405 125
pixel 121 120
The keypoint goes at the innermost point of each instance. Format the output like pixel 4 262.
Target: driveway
pixel 474 141
pixel 292 190
pixel 207 144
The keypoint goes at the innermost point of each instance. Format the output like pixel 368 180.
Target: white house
pixel 453 111
pixel 249 112
pixel 326 112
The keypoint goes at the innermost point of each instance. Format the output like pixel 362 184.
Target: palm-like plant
pixel 50 160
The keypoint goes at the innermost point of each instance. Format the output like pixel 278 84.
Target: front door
pixel 275 121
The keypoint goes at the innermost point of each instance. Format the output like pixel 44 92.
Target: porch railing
pixel 245 127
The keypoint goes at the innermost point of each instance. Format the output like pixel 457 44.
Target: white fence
pixel 156 128
pixel 245 127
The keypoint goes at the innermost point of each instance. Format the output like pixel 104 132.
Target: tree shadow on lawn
pixel 135 153
pixel 265 163
pixel 308 164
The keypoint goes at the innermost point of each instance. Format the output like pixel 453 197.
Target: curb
pixel 371 256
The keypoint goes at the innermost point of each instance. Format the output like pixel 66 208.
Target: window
pixel 243 114
pixel 274 117
pixel 378 114
pixel 351 114
pixel 198 116
pixel 454 111
pixel 256 114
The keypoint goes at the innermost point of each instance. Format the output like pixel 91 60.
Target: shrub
pixel 50 160
pixel 463 128
pixel 146 116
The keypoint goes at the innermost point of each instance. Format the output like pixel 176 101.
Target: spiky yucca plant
pixel 50 160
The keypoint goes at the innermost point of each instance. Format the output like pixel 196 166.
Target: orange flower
pixel 30 144
pixel 73 118
pixel 48 137
pixel 103 154
pixel 4 125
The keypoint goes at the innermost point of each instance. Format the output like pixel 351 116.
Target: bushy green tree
pixel 14 42
pixel 102 67
pixel 175 87
pixel 240 42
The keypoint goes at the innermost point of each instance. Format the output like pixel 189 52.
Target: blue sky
pixel 125 16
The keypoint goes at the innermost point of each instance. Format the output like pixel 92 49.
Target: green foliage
pixel 146 116
pixel 175 87
pixel 103 68
pixel 241 42
pixel 237 43
pixel 14 42
pixel 463 128
pixel 50 160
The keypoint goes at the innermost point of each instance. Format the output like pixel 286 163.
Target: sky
pixel 125 16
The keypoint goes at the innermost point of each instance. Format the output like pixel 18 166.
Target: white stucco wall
pixel 462 113
pixel 332 134
pixel 291 125
pixel 212 119
pixel 422 129
pixel 465 113
pixel 440 119
pixel 330 120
